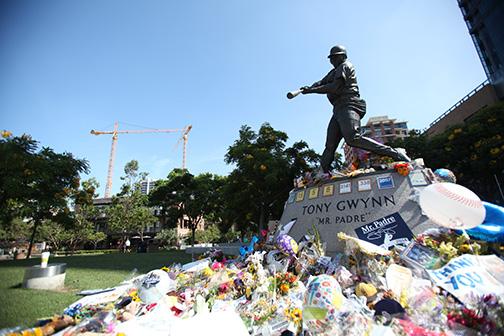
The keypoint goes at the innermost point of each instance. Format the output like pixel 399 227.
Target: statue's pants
pixel 344 124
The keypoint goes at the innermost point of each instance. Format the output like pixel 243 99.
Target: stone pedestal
pixel 375 204
pixel 51 277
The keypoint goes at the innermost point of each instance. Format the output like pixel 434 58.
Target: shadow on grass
pixel 19 285
pixel 143 262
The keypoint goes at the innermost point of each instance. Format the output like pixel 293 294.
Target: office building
pixel 147 186
pixel 484 20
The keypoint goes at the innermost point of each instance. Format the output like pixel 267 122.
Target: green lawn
pixel 21 306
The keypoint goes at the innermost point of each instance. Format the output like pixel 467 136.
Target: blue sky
pixel 67 67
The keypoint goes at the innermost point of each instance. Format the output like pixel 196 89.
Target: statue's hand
pixel 305 89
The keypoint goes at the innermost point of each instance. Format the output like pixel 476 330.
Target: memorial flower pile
pixel 364 289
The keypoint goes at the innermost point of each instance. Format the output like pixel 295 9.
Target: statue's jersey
pixel 348 94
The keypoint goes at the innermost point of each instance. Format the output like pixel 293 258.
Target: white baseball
pixel 452 205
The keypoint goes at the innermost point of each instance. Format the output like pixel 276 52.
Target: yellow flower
pixel 207 272
pixel 295 315
pixel 134 296
pixel 451 136
pixel 465 248
pixel 495 151
pixel 284 288
pixel 457 130
pixel 166 269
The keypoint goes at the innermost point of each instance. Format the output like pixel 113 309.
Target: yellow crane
pixel 116 131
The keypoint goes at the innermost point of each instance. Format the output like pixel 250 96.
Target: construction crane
pixel 116 131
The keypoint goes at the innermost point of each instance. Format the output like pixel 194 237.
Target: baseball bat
pixel 293 94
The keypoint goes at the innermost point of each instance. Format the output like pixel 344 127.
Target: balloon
pixel 155 285
pixel 445 175
pixel 322 302
pixel 287 245
pixel 492 228
pixel 452 206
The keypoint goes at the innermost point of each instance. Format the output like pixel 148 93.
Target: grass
pixel 20 306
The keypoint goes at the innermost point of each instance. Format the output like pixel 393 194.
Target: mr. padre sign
pixel 343 205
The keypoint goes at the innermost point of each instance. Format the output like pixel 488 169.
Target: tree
pixel 130 211
pixel 168 238
pixel 54 233
pixel 132 175
pixel 35 184
pixel 183 196
pixel 416 144
pixel 211 234
pixel 474 151
pixel 16 229
pixel 97 237
pixel 77 227
pixel 257 188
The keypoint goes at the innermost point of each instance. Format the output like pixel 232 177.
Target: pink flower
pixel 223 288
pixel 217 265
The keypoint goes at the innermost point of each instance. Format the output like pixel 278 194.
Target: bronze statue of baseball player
pixel 340 86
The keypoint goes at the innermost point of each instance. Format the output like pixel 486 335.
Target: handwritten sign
pixel 386 232
pixel 468 276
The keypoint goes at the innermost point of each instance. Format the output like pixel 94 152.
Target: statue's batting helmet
pixel 337 50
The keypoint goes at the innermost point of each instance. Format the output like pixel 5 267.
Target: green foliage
pixel 96 237
pixel 415 144
pixel 230 236
pixel 129 212
pixel 211 234
pixel 265 168
pixel 474 151
pixel 183 196
pixel 16 229
pixel 35 183
pixel 132 176
pixel 78 227
pixel 168 238
pixel 54 233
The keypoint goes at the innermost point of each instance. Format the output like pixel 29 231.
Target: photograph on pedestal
pixel 364 185
pixel 417 178
pixel 345 188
